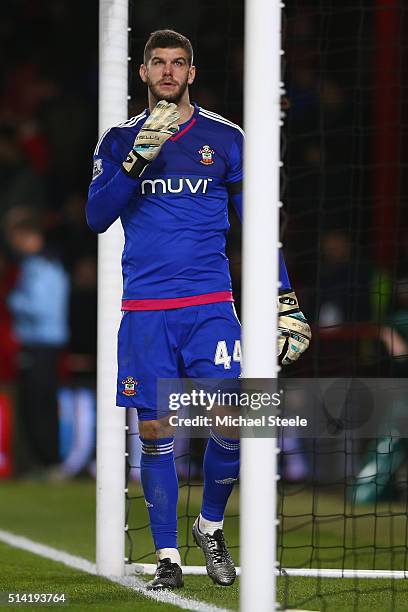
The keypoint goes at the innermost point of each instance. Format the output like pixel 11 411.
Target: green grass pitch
pixel 63 516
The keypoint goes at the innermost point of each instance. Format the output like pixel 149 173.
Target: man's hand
pixel 294 331
pixel 157 129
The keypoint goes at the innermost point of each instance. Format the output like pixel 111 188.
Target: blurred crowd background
pixel 344 224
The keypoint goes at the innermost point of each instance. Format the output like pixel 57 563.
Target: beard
pixel 174 97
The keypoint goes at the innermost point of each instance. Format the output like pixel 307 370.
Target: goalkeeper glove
pixel 293 330
pixel 157 129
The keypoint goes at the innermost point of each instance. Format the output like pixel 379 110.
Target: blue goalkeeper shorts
pixel 191 342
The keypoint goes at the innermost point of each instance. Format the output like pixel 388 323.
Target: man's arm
pixel 115 181
pixel 294 331
pixel 109 193
pixel 236 200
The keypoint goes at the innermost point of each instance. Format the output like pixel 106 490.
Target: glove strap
pixel 134 165
pixel 287 302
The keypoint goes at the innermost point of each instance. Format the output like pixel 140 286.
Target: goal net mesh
pixel 342 501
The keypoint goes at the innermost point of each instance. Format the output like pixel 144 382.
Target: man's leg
pixel 40 410
pixel 221 469
pixel 217 334
pixel 145 354
pixel 160 487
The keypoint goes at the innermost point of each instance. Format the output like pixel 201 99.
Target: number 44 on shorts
pixel 222 357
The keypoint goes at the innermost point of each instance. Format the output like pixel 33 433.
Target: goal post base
pixel 200 570
pixel 149 569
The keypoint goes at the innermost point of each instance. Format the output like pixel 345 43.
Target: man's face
pixel 167 74
pixel 25 242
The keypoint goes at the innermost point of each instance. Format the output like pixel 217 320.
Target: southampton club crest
pixel 130 386
pixel 206 153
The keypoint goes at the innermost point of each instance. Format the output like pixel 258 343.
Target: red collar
pixel 185 129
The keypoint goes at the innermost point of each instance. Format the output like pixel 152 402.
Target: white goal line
pixel 83 565
pixel 200 570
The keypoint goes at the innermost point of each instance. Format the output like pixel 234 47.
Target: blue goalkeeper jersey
pixel 175 216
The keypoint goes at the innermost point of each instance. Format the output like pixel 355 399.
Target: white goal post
pixel 111 420
pixel 258 473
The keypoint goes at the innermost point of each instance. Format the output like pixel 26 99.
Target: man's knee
pixel 155 429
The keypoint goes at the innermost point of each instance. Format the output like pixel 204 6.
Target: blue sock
pixel 221 469
pixel 160 487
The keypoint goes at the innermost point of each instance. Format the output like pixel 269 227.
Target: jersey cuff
pixel 134 165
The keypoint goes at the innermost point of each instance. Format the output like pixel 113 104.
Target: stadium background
pixel 344 223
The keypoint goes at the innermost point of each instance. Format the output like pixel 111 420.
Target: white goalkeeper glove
pixel 294 333
pixel 157 129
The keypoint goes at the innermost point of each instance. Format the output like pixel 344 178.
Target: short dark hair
pixel 167 39
pixel 27 226
pixel 23 219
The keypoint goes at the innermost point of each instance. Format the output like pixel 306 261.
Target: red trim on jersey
pixel 181 302
pixel 188 127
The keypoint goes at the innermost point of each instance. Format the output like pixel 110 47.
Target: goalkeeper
pixel 168 174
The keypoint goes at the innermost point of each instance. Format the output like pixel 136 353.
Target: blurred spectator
pixel 71 155
pixel 39 304
pixel 26 89
pixel 69 232
pixel 376 479
pixel 82 346
pixel 395 332
pixel 345 281
pixel 341 304
pixel 19 183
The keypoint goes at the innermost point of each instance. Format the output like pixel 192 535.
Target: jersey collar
pixel 185 127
